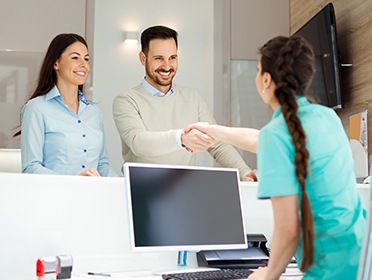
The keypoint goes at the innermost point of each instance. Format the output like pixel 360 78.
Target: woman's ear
pixel 266 79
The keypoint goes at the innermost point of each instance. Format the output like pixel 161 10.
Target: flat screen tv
pixel 320 31
pixel 183 208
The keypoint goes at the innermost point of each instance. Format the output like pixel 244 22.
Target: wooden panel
pixel 354 30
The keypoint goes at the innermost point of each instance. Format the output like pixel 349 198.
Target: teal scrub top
pixel 339 218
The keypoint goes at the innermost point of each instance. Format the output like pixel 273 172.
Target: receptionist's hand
pixel 259 274
pixel 196 141
pixel 251 176
pixel 90 172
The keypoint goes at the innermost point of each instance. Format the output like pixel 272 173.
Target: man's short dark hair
pixel 156 32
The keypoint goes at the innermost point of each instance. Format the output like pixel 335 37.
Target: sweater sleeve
pixel 133 132
pixel 225 154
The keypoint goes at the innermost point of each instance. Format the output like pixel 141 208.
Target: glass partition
pixel 18 74
pixel 247 108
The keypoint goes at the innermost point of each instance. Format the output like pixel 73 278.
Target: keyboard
pixel 223 274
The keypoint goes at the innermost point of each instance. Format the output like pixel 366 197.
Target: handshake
pixel 198 137
pixel 195 137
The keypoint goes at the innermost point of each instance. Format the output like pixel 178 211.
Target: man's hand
pixel 251 176
pixel 196 141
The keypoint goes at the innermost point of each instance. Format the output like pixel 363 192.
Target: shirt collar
pixel 301 101
pixel 83 99
pixel 154 91
pixel 54 92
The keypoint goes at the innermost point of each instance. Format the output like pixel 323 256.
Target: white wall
pixel 117 67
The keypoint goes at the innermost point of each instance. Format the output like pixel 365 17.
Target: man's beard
pixel 158 80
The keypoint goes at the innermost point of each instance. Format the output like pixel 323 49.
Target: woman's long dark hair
pixel 290 62
pixel 47 76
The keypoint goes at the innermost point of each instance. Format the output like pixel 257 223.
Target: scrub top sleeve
pixel 275 165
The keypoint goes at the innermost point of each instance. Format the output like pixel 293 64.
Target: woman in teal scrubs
pixel 305 167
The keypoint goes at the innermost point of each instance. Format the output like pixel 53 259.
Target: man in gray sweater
pixel 151 117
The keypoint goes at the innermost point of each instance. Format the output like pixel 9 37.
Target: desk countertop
pixel 87 218
pixel 291 274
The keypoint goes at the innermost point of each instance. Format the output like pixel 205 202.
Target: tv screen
pixel 320 31
pixel 184 208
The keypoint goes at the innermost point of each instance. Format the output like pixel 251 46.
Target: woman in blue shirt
pixel 61 130
pixel 305 167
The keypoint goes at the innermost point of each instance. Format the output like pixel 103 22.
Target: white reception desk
pixel 86 217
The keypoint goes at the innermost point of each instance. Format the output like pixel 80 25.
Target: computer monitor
pixel 184 208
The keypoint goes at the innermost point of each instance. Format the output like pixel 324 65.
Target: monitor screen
pixel 320 31
pixel 184 208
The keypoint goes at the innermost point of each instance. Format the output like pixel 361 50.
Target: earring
pixel 263 92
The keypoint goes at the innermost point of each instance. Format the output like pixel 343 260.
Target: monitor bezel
pixel 190 248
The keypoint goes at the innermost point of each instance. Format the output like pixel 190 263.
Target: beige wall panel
pixel 30 25
pixel 354 29
pixel 26 29
pixel 254 22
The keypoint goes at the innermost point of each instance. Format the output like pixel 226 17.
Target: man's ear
pixel 142 57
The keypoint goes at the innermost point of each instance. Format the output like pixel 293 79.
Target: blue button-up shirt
pixel 154 91
pixel 56 140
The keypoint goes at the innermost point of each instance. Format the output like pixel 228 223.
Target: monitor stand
pixel 181 266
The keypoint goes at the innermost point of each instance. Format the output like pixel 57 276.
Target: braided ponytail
pixel 290 62
pixel 289 110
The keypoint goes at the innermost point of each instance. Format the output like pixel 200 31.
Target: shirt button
pixel 83 166
pixel 79 121
pixel 85 150
pixel 83 135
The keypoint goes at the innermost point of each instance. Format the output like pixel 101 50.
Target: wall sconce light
pixel 131 37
